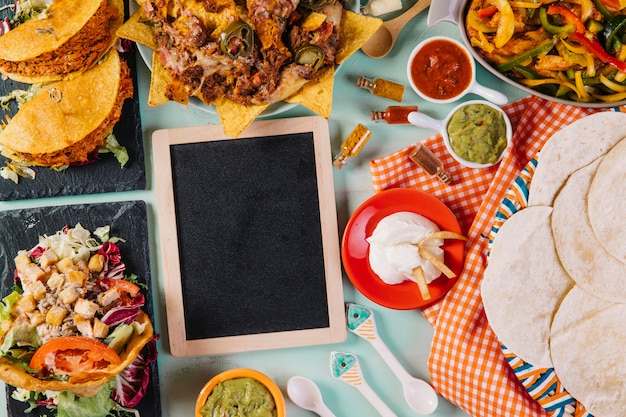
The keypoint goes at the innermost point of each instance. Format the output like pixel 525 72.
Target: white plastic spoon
pixel 305 394
pixel 420 396
pixel 345 367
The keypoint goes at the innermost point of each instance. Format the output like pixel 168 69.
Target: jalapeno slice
pixel 311 55
pixel 237 39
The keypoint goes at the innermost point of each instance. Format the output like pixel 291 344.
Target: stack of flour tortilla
pixel 554 290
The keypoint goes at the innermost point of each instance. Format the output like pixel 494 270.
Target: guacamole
pixel 477 133
pixel 239 397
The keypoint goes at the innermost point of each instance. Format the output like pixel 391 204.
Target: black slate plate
pixel 21 230
pixel 103 176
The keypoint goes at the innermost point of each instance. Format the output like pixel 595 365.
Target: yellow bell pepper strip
pixel 593 46
pixel 618 88
pixel 590 62
pixel 580 86
pixel 524 4
pixel 545 81
pixel 506 24
pixel 475 22
pixel 569 16
pixel 540 49
pixel 610 98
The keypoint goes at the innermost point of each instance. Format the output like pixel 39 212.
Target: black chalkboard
pixel 250 234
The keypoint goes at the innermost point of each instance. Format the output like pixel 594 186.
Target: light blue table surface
pixel 407 333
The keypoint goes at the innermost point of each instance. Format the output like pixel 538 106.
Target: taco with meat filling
pixel 67 121
pixel 66 39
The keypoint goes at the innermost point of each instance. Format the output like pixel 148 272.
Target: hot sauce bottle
pixel 394 115
pixel 352 145
pixel 381 87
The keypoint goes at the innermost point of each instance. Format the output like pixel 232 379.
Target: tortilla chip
pixel 355 30
pixel 317 96
pixel 137 31
pixel 236 117
pixel 82 385
pixel 161 84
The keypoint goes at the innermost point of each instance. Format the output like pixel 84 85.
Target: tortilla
pixel 607 205
pixel 523 284
pixel 582 254
pixel 65 112
pixel 573 147
pixel 63 20
pixel 587 352
pixel 83 385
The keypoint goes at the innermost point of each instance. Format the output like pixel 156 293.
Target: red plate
pixel 355 249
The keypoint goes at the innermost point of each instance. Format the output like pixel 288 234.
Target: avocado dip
pixel 477 133
pixel 239 397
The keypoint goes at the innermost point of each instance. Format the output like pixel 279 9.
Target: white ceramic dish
pixel 473 86
pixel 453 11
pixel 441 126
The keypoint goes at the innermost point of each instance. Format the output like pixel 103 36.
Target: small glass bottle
pixel 381 87
pixel 394 115
pixel 352 145
pixel 380 7
pixel 423 157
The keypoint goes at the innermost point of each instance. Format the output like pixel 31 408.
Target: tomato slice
pixel 72 355
pixel 121 284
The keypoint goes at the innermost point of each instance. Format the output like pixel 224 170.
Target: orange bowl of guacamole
pixel 240 389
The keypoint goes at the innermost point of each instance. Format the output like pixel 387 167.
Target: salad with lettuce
pixel 73 319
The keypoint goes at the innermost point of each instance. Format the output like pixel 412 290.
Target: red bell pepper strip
pixel 487 11
pixel 569 17
pixel 593 46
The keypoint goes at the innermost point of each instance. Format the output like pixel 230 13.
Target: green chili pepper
pixel 613 33
pixel 542 48
pixel 237 39
pixel 554 29
pixel 603 10
pixel 311 55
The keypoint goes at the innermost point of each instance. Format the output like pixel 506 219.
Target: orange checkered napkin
pixel 466 363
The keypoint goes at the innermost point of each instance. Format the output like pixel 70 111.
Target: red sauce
pixel 441 70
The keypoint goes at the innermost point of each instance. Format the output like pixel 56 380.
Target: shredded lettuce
pixel 69 405
pixel 111 145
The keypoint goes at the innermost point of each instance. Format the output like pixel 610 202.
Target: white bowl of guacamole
pixel 476 132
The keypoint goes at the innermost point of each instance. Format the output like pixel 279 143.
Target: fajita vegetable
pixel 573 49
pixel 74 328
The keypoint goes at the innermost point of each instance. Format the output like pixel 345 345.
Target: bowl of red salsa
pixel 442 70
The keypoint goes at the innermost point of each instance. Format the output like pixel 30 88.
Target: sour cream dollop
pixel 393 254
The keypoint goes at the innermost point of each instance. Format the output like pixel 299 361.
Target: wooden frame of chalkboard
pixel 249 237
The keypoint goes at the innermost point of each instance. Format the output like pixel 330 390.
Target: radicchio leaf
pixel 113 265
pixel 132 383
pixel 125 314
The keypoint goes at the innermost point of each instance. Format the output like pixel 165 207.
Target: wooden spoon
pixel 382 41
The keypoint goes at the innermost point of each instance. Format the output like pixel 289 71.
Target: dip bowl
pixel 442 70
pixel 442 127
pixel 230 374
pixel 455 11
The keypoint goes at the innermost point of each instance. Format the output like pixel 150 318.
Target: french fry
pixel 430 257
pixel 442 234
pixel 420 280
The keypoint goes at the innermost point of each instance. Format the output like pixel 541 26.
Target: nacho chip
pixel 162 86
pixel 138 30
pixel 317 96
pixel 236 117
pixel 355 30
